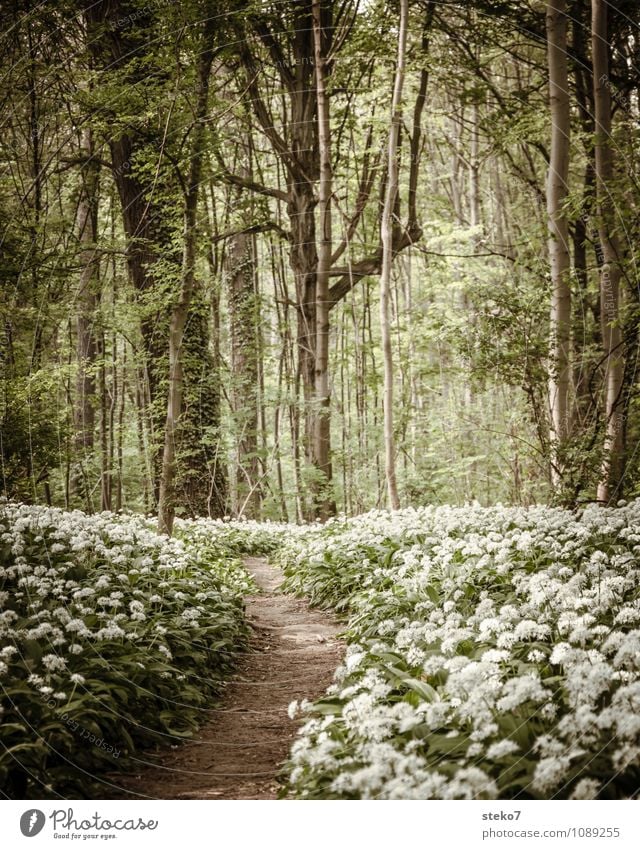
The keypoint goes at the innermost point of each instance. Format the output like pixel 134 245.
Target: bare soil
pixel 293 653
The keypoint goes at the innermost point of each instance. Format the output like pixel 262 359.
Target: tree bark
pixel 557 190
pixel 180 311
pixel 610 271
pixel 103 391
pixel 87 298
pixel 321 449
pixel 244 328
pixel 386 232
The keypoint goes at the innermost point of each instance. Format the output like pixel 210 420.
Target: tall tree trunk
pixel 321 448
pixel 586 337
pixel 386 231
pixel 610 271
pixel 180 311
pixel 557 190
pixel 120 432
pixel 243 308
pixel 105 470
pixel 87 298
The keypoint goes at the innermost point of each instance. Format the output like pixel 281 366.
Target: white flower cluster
pixel 109 619
pixel 493 653
pixel 68 569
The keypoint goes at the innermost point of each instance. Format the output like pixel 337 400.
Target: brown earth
pixel 293 653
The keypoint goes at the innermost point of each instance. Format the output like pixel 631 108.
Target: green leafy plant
pixel 492 653
pixel 112 639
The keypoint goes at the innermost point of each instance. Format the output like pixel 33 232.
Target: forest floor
pixel 292 654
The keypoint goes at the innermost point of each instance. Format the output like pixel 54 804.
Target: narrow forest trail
pixel 292 654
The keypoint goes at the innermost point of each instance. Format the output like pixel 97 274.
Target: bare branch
pixel 247 183
pixel 266 227
pixel 348 276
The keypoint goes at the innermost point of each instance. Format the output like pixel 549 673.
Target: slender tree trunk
pixel 386 230
pixel 105 471
pixel 585 336
pixel 120 432
pixel 180 311
pixel 113 403
pixel 321 449
pixel 610 271
pixel 277 435
pixel 475 222
pixel 142 428
pixel 557 190
pixel 474 171
pixel 303 259
pixel 87 298
pixel 262 437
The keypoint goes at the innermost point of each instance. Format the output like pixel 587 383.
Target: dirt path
pixel 292 654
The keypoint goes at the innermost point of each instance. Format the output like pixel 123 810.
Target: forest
pixel 260 263
pixel 351 285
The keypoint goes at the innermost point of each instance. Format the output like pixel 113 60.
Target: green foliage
pixel 220 537
pixel 29 434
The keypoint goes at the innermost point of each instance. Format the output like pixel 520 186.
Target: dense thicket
pixel 201 205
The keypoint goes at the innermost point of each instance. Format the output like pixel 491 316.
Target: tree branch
pixel 350 275
pixel 266 227
pixel 275 51
pixel 262 113
pixel 364 192
pixel 247 183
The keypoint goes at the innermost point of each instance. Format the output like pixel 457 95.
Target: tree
pixel 386 231
pixel 129 75
pixel 87 298
pixel 557 191
pixel 286 36
pixel 244 320
pixel 321 450
pixel 611 268
pixel 144 113
pixel 180 310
